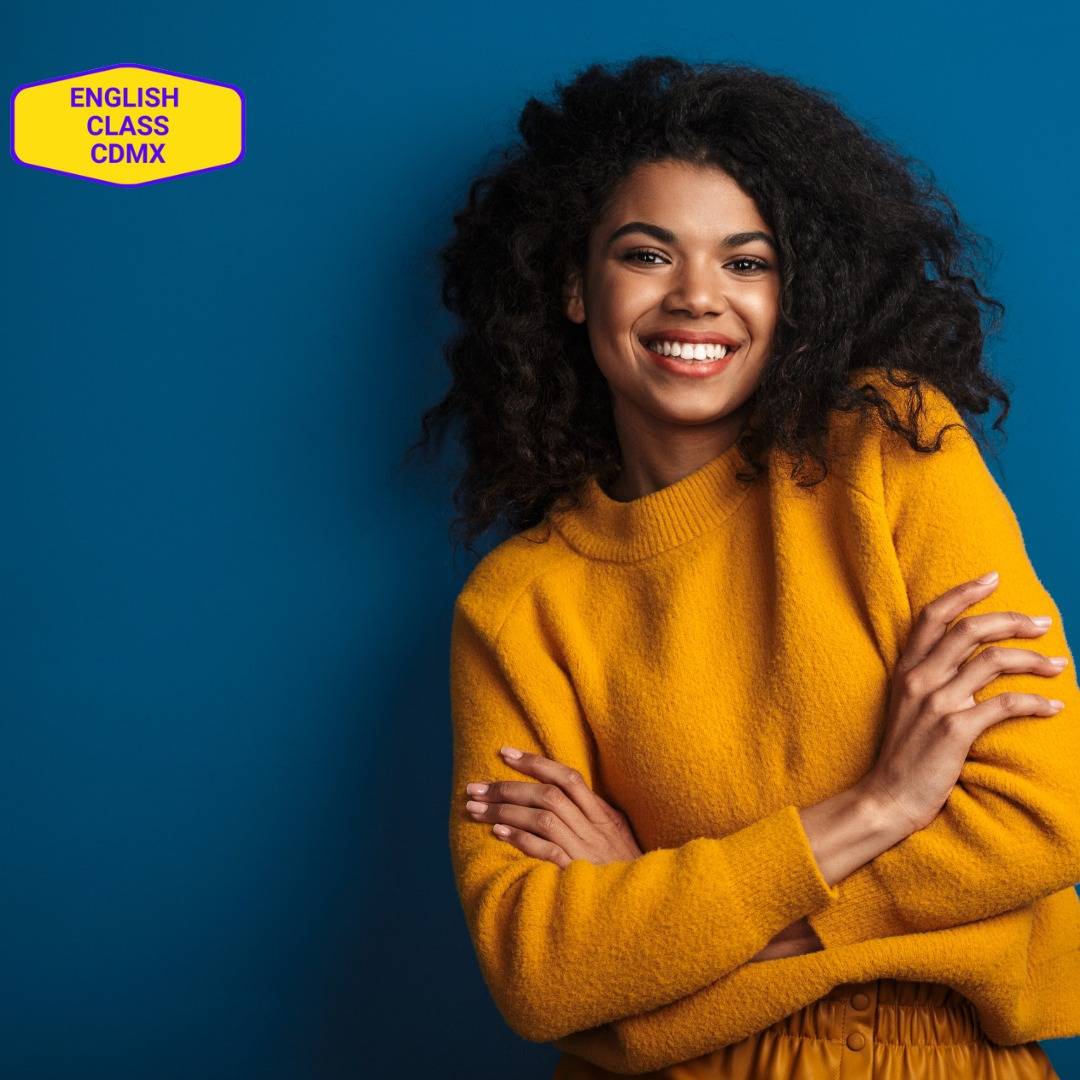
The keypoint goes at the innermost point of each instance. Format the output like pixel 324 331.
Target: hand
pixel 559 819
pixel 933 718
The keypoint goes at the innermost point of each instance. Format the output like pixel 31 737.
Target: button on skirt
pixel 885 1029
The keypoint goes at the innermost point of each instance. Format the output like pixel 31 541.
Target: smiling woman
pixel 778 806
pixel 713 280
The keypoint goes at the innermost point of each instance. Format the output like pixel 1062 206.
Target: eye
pixel 641 256
pixel 754 264
pixel 629 256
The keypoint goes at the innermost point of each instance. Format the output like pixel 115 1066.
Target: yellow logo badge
pixel 127 125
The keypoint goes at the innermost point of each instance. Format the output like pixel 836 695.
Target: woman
pixel 783 803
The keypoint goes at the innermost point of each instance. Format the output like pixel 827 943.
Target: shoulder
pixel 506 573
pixel 865 451
pixel 924 401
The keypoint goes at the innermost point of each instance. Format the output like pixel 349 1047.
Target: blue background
pixel 227 744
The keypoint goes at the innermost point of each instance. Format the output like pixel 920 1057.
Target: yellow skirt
pixel 886 1029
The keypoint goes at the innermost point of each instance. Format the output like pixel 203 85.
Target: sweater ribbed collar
pixel 605 528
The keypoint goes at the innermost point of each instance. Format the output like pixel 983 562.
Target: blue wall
pixel 227 743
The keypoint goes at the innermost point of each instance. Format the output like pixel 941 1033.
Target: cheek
pixel 612 319
pixel 761 312
pixel 619 298
pixel 604 343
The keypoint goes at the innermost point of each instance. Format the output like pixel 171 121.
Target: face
pixel 684 269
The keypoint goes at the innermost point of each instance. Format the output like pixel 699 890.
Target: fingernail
pixel 1059 661
pixel 1056 704
pixel 986 579
pixel 1042 620
pixel 510 752
pixel 500 830
pixel 475 807
pixel 476 789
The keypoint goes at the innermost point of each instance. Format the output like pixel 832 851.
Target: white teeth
pixel 686 351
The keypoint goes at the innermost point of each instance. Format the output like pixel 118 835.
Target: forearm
pixel 845 831
pixel 848 830
pixel 1009 833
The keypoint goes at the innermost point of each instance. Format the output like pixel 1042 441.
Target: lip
pixel 691 337
pixel 698 369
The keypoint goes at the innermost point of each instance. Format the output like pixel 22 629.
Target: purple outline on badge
pixel 117 183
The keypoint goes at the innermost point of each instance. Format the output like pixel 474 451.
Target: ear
pixel 573 296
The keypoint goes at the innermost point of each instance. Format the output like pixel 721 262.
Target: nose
pixel 698 291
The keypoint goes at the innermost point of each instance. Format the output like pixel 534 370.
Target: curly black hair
pixel 877 270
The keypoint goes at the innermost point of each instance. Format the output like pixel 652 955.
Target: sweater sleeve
pixel 1009 832
pixel 562 950
pixel 675 1034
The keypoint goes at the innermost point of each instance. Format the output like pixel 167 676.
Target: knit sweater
pixel 711 657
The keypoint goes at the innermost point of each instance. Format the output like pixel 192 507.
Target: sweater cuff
pixel 863 910
pixel 781 839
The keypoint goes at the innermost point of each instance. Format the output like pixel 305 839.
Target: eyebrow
pixel 666 236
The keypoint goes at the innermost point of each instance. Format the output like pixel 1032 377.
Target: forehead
pixel 687 198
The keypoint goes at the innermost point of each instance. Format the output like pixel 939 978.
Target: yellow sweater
pixel 712 657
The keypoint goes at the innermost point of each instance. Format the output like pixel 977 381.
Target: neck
pixel 654 458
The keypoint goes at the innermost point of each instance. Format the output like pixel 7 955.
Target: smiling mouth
pixel 689 353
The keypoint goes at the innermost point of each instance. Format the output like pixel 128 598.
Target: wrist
pixel 849 829
pixel 789 946
pixel 886 818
